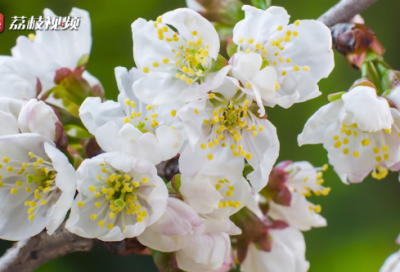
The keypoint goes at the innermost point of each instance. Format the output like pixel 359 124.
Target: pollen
pixel 250 40
pixel 384 148
pixel 146 70
pixel 14 191
pixel 111 215
pixel 338 144
pixel 156 64
pixel 241 40
pixel 306 68
pixel 159 20
pixel 248 85
pixel 356 154
pixel 296 68
pixel 93 217
pixel 6 159
pixel 92 188
pixel 10 169
pixel 345 141
pixel 101 223
pixel 98 204
pixel 210 156
pixel 386 156
pixel 365 142
pixel 277 85
pixel 288 60
pixel 31 217
pixel 346 151
pixel 165 61
pixel 280 28
pixel 229 193
pixel 173 113
pixel 297 23
pixel 376 150
pixel 81 204
pixel 284 73
pixel 378 158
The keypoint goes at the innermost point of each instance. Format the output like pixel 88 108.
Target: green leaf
pixel 83 60
pixel 261 4
pixel 218 64
pixel 76 132
pixel 231 47
pixel 335 96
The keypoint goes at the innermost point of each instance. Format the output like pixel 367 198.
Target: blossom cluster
pixel 65 148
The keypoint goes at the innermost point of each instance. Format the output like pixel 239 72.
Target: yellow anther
pixel 337 144
pixel 173 113
pixel 258 46
pixel 232 188
pixel 261 128
pixel 159 20
pixel 384 148
pixel 111 215
pixel 386 156
pixel 376 150
pixel 148 107
pixel 295 33
pixel 6 159
pixel 277 85
pixel 98 177
pixel 92 188
pixel 336 137
pixel 19 183
pixel 14 191
pixel 296 68
pixel 346 151
pixel 156 64
pixel 280 28
pixel 43 202
pixel 210 156
pixel 31 217
pixel 165 28
pixel 136 184
pixel 98 204
pixel 145 180
pixel 250 40
pixel 40 160
pixel 218 186
pixel 210 144
pixel 211 95
pixel 101 223
pixel 81 204
pixel 241 40
pixel 284 73
pixel 194 33
pixel 345 141
pixel 288 60
pixel 356 154
pixel 31 155
pixel 318 208
pixel 196 111
pixel 93 217
pixel 146 70
pixel 297 23
pixel 249 156
pixel 388 130
pixel 306 68
pixel 189 81
pixel 280 59
pixel 229 193
pixel 365 142
pixel 378 158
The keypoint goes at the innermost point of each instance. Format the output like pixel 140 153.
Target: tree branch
pixel 27 255
pixel 344 11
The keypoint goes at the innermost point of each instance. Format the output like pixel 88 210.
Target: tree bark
pixel 27 255
pixel 344 11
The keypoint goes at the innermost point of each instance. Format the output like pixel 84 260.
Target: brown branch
pixel 344 11
pixel 27 255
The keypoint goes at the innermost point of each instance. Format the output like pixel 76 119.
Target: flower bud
pixel 353 40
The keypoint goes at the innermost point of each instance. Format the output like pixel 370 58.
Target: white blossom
pixel 360 132
pixel 277 62
pixel 37 186
pixel 30 116
pixel 35 60
pixel 392 263
pixel 287 254
pixel 119 196
pixel 225 128
pixel 176 53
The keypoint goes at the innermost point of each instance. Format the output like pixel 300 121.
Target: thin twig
pixel 27 255
pixel 344 11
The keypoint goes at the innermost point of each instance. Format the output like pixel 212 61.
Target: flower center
pixel 231 121
pixel 121 192
pixel 144 122
pixel 37 176
pixel 226 190
pixel 191 56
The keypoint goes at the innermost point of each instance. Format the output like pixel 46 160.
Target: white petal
pixel 369 112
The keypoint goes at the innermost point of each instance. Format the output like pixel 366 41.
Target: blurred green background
pixel 363 219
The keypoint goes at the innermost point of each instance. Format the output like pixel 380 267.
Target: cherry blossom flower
pixel 176 53
pixel 277 62
pixel 37 186
pixel 360 132
pixel 287 254
pixel 225 128
pixel 21 76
